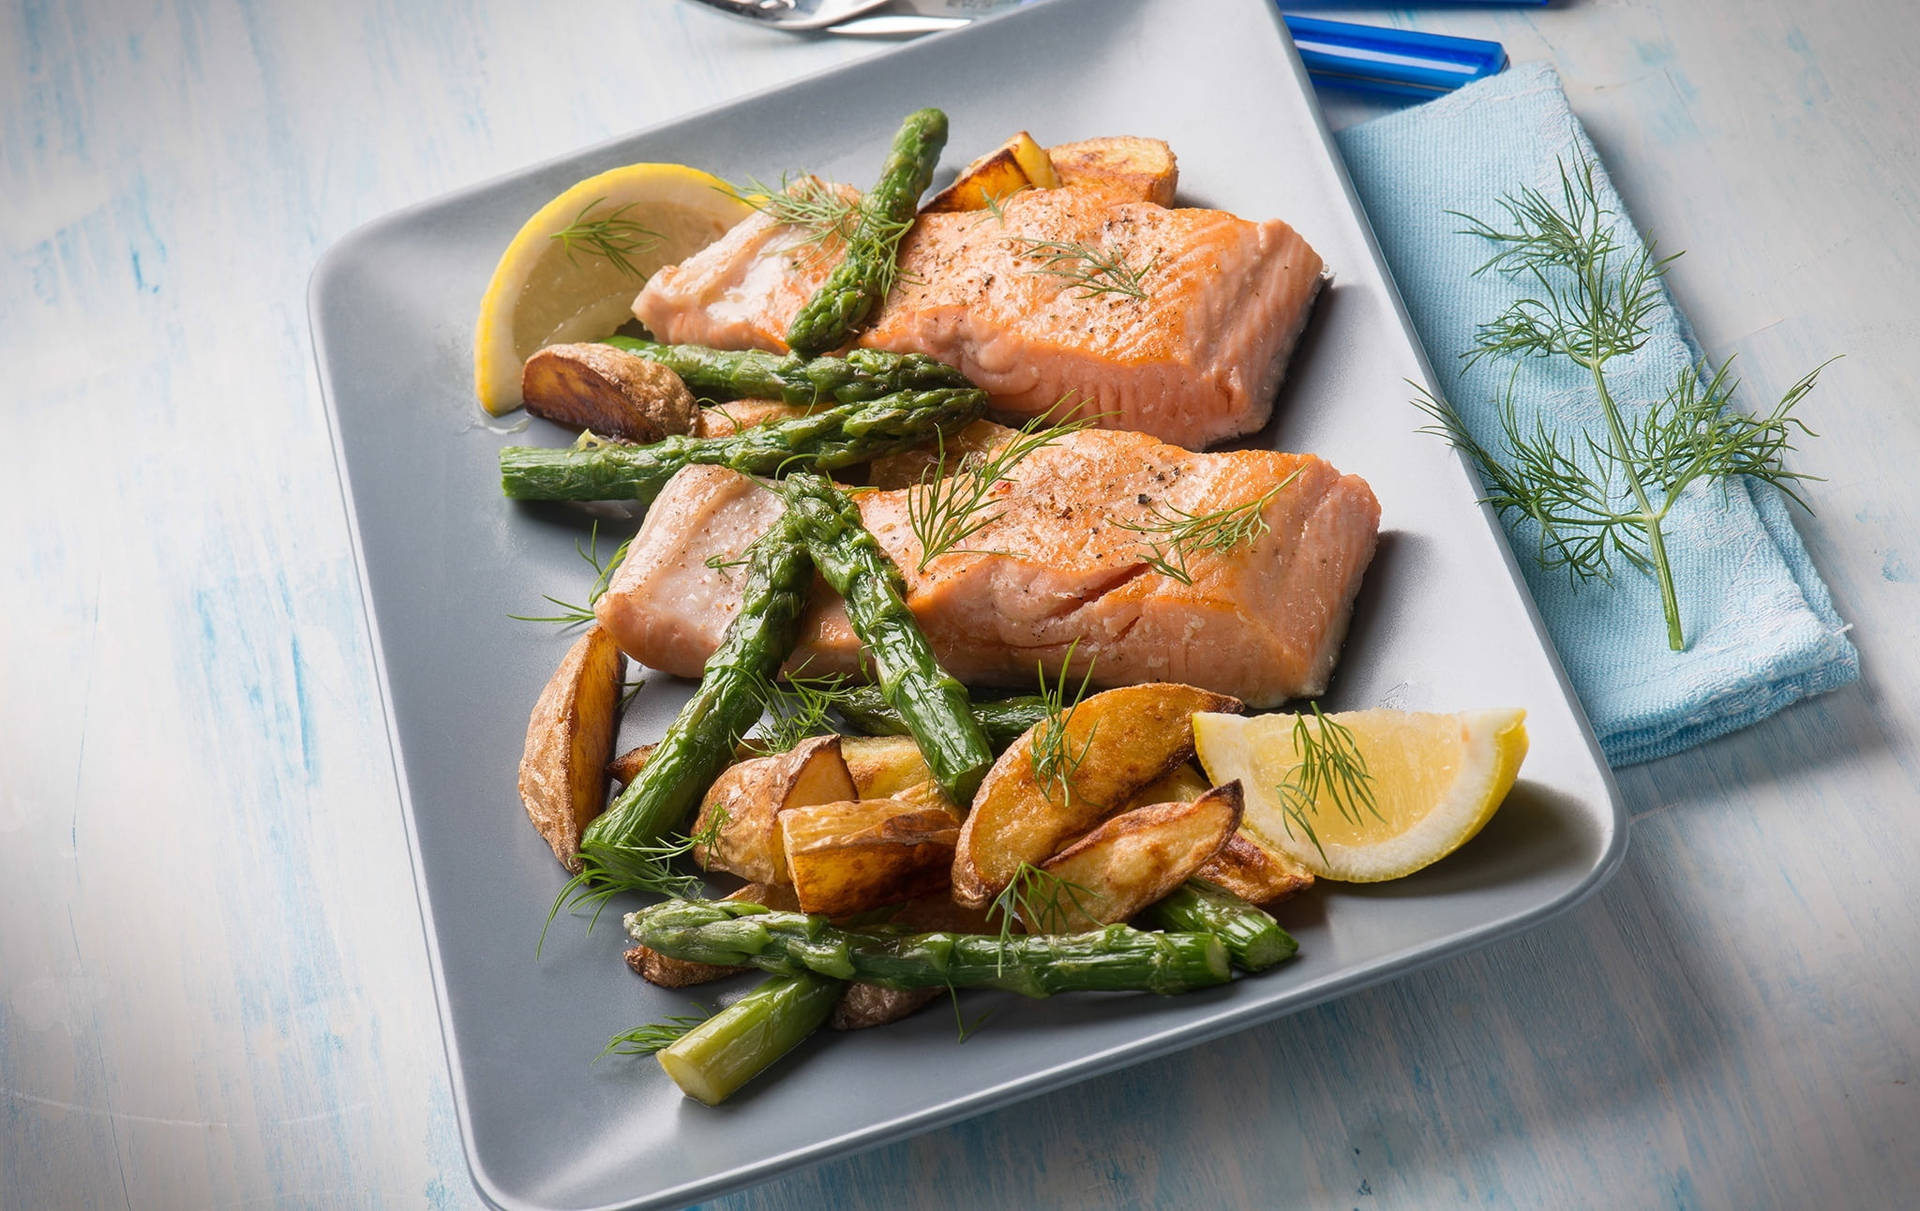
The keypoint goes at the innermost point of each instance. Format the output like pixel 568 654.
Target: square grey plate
pixel 1442 623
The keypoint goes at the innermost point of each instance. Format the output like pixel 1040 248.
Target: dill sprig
pixel 828 215
pixel 573 614
pixel 1039 901
pixel 656 1036
pixel 1176 535
pixel 1054 758
pixel 1331 769
pixel 1091 270
pixel 1593 298
pixel 953 502
pixel 611 236
pixel 797 709
pixel 647 867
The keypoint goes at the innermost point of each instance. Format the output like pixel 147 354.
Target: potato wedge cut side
pixel 1253 872
pixel 1125 167
pixel 563 769
pixel 849 857
pixel 1019 163
pixel 753 793
pixel 1136 858
pixel 1122 739
pixel 884 765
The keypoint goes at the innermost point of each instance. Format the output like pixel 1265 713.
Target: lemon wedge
pixel 1433 781
pixel 573 269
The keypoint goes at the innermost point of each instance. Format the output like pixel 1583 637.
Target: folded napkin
pixel 1760 625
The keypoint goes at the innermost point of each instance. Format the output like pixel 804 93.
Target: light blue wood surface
pixel 213 990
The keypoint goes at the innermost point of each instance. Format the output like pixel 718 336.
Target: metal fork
pixel 795 15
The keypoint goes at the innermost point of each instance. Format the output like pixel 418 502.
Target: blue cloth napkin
pixel 1760 625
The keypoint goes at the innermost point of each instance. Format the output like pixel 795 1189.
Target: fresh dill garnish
pixel 1594 294
pixel 1055 759
pixel 795 710
pixel 573 614
pixel 1331 768
pixel 1175 535
pixel 646 867
pixel 656 1036
pixel 807 203
pixel 1039 901
pixel 1088 269
pixel 611 236
pixel 953 502
pixel 994 204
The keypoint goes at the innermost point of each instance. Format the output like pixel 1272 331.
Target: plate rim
pixel 332 265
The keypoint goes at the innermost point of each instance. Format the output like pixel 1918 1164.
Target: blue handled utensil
pixel 1392 62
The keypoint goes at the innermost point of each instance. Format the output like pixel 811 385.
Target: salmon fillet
pixel 1262 621
pixel 1196 361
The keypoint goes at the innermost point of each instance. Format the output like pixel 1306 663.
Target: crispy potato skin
pixel 1253 872
pixel 563 768
pixel 607 390
pixel 1131 736
pixel 1137 857
pixel 656 968
pixel 864 1005
pixel 845 858
pixel 627 766
pixel 1128 168
pixel 752 793
pixel 1243 866
pixel 1019 163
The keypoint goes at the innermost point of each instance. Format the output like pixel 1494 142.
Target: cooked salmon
pixel 1036 305
pixel 1054 569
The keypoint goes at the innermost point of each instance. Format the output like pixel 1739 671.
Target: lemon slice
pixel 573 269
pixel 1434 780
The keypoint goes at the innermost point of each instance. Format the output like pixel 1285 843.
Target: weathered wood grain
pixel 212 986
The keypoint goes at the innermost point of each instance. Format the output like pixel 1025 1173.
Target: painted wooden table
pixel 213 989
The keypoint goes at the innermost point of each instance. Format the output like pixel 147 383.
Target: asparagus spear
pixel 1003 720
pixel 829 439
pixel 931 702
pixel 617 850
pixel 735 1045
pixel 862 375
pixel 1115 958
pixel 1253 939
pixel 858 285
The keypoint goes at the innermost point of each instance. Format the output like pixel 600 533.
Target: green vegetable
pixel 858 285
pixel 827 440
pixel 737 934
pixel 1003 721
pixel 860 376
pixel 735 1045
pixel 1593 298
pixel 932 703
pixel 1253 939
pixel 619 850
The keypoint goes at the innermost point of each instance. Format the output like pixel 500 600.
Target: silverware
pixel 905 26
pixel 795 15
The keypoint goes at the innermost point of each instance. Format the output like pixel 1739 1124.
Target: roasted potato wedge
pixel 1117 742
pixel 1019 163
pixel 754 792
pixel 1125 167
pixel 628 765
pixel 1136 858
pixel 884 765
pixel 1243 866
pixel 864 1005
pixel 563 769
pixel 656 968
pixel 1253 872
pixel 849 857
pixel 610 391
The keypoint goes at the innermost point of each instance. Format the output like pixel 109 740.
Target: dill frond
pixel 1055 759
pixel 1593 293
pixel 571 613
pixel 1175 535
pixel 1090 270
pixel 954 500
pixel 612 236
pixel 1331 768
pixel 656 1036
